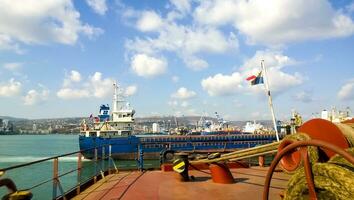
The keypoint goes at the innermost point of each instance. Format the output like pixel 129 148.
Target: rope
pixel 348 132
pixel 244 153
pixel 333 180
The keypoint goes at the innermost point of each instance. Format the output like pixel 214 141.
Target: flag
pixel 91 116
pixel 256 79
pixel 251 77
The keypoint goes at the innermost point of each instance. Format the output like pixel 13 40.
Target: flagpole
pixel 269 98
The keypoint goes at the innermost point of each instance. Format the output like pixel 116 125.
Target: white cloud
pixel 182 5
pixel 186 41
pixel 13 66
pixel 7 44
pixel 11 88
pixel 347 91
pixel 149 21
pixel 220 85
pixel 99 6
pixel 73 77
pixel 34 97
pixel 175 79
pixel 183 93
pixel 147 66
pixel 184 104
pixel 195 63
pixel 173 103
pixel 94 86
pixel 279 81
pixel 101 87
pixel 304 96
pixel 131 90
pixel 40 22
pixel 69 93
pixel 277 22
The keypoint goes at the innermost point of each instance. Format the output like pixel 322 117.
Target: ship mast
pixel 266 84
pixel 115 98
pixel 117 101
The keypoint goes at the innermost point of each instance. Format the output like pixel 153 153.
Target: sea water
pixel 19 149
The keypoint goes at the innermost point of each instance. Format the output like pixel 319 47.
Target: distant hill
pixel 12 118
pixel 168 120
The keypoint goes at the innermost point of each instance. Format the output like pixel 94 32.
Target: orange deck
pixel 164 185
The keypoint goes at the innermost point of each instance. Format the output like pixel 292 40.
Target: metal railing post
pixel 141 157
pixel 109 158
pixel 102 161
pixel 79 166
pixel 56 182
pixel 95 166
pixel 55 178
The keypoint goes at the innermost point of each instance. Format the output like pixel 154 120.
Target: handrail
pixel 50 158
pixel 56 176
pixel 81 151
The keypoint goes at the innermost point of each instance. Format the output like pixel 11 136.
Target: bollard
pixel 220 173
pixel 181 165
pixel 261 161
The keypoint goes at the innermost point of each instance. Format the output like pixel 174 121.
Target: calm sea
pixel 18 149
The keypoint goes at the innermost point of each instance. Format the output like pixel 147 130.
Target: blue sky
pixel 59 58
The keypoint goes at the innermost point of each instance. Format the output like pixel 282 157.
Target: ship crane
pixel 221 121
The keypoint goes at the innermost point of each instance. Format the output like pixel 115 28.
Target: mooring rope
pixel 333 180
pixel 348 132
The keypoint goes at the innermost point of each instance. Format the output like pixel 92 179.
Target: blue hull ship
pixel 112 133
pixel 152 147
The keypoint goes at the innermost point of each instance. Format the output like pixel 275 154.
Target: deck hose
pixel 333 180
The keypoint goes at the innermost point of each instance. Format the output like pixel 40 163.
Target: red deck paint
pixel 163 185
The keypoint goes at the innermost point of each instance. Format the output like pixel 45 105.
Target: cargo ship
pixel 116 130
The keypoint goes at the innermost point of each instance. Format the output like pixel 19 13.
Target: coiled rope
pixel 333 180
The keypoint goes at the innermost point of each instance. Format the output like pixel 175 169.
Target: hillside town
pixel 72 125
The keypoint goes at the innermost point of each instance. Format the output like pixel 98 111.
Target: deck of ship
pixel 165 185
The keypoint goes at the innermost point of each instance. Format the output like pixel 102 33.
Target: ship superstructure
pixel 119 122
pixel 208 127
pixel 252 127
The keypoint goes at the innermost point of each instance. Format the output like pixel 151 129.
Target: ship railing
pixel 87 172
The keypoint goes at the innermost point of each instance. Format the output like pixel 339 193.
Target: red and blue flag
pixel 256 79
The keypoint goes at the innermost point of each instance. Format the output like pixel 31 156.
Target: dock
pixel 249 184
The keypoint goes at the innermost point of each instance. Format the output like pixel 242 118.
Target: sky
pixel 59 58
